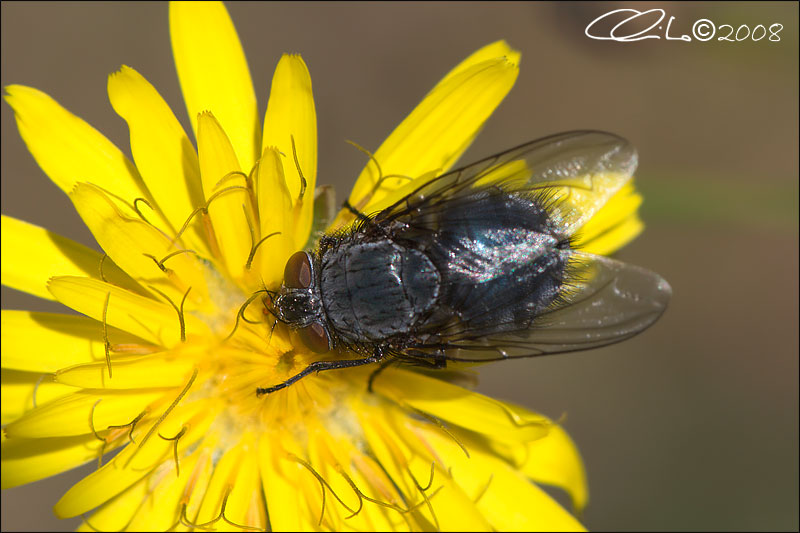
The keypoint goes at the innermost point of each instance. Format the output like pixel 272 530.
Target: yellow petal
pixel 329 457
pixel 218 168
pixel 453 509
pixel 23 391
pixel 291 114
pixel 138 247
pixel 158 512
pixel 70 150
pixel 389 449
pixel 133 463
pixel 200 476
pixel 112 478
pixel 245 505
pixel 169 370
pixel 32 255
pixel 443 125
pixel 151 320
pixel 73 415
pixel 164 155
pixel 27 460
pixel 275 209
pixel 407 461
pixel 613 225
pixel 490 51
pixel 506 498
pixel 555 460
pixel 225 472
pixel 287 488
pixel 214 75
pixel 460 406
pixel 117 514
pixel 46 342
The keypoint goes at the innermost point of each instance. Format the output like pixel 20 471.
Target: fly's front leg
pixel 319 366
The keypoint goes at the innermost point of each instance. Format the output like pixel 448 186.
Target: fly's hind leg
pixel 433 361
pixel 415 358
pixel 377 371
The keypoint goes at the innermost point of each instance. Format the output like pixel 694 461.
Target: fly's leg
pixel 319 366
pixel 416 358
pixel 365 220
pixel 361 216
pixel 424 359
pixel 377 371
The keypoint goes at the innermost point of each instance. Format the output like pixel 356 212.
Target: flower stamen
pixel 362 496
pixel 136 208
pixel 484 489
pixel 163 416
pixel 323 483
pixel 113 435
pixel 303 182
pixel 175 448
pixel 188 490
pixel 207 225
pixel 221 516
pixel 436 421
pixel 36 389
pixel 132 424
pixel 106 343
pixel 381 178
pixel 425 497
pixel 181 317
pixel 255 247
pixel 233 174
pixel 242 309
pixel 160 264
pixel 102 262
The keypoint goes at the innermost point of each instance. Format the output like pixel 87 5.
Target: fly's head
pixel 298 304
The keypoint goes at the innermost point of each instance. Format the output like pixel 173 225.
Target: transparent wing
pixel 579 170
pixel 604 301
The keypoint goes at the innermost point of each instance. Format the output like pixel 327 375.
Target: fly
pixel 476 265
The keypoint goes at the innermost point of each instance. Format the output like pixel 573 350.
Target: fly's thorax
pixel 375 290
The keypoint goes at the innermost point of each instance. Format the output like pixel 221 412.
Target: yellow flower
pixel 189 236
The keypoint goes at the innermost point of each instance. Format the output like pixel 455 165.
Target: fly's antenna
pixel 272 329
pixel 272 295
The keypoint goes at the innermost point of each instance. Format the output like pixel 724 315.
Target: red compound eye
pixel 315 338
pixel 297 273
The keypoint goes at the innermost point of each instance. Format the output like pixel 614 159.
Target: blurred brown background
pixel 692 425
